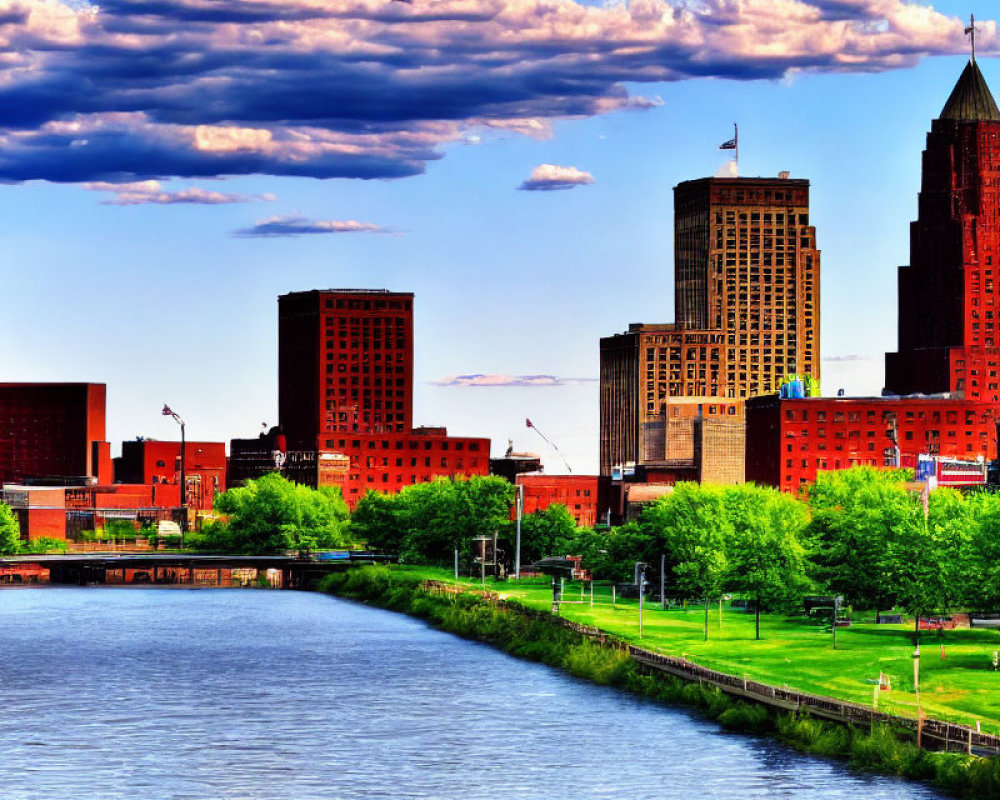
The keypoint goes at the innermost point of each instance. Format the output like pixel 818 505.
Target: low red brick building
pixel 358 462
pixel 149 461
pixel 65 512
pixel 389 462
pixel 577 492
pixel 790 440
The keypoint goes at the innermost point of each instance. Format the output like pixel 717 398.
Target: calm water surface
pixel 153 693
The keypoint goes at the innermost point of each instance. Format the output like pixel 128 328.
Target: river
pixel 172 693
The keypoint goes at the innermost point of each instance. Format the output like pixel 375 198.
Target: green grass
pixel 794 652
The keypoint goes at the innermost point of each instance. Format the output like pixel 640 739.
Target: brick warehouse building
pixel 345 388
pixel 746 298
pixel 949 302
pixel 579 493
pixel 53 431
pixel 149 461
pixel 64 512
pixel 790 441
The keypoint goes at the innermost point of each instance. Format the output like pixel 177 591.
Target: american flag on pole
pixel 730 145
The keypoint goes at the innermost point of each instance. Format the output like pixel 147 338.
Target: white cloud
pixel 548 177
pixel 299 226
pixel 495 379
pixel 145 192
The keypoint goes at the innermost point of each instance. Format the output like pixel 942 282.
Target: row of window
pixel 442 443
pixel 950 416
pixel 368 305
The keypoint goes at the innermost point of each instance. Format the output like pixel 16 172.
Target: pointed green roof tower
pixel 971 99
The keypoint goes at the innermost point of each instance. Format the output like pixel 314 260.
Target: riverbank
pixel 958 682
pixel 527 633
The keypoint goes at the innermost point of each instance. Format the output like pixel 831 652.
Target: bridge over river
pixel 181 569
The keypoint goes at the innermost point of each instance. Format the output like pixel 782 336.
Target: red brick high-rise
pixel 345 363
pixel 345 388
pixel 949 295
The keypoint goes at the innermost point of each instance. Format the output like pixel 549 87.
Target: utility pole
pixel 836 609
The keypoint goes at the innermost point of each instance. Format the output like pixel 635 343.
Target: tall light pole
pixel 517 546
pixel 167 412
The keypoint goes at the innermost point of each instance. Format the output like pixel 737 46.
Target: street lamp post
pixel 517 546
pixel 167 412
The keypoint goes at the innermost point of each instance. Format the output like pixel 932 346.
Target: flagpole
pixel 736 138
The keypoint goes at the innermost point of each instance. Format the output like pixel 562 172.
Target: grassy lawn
pixel 963 687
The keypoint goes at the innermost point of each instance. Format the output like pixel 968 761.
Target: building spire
pixel 971 100
pixel 971 33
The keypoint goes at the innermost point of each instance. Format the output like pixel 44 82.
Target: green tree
pixel 380 522
pixel 608 555
pixel 983 580
pixel 272 514
pixel 767 561
pixel 952 521
pixel 695 529
pixel 10 531
pixel 933 560
pixel 447 514
pixel 858 515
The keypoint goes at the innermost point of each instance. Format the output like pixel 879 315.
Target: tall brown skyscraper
pixel 746 297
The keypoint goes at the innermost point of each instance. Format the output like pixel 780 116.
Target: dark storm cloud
pixel 129 90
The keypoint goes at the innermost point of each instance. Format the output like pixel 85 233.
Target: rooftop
pixel 971 99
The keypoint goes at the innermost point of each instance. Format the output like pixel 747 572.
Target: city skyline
pixel 166 290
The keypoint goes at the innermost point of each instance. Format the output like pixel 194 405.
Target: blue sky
pixel 111 278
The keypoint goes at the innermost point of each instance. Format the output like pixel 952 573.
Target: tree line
pixel 862 533
pixel 865 534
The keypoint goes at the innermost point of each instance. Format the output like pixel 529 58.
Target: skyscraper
pixel 746 303
pixel 345 400
pixel 345 363
pixel 949 295
pixel 942 399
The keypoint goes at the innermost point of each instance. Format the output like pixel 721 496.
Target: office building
pixel 345 400
pixel 949 295
pixel 746 303
pixel 345 363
